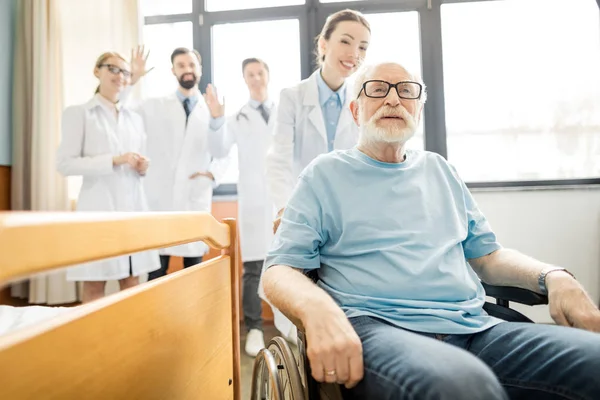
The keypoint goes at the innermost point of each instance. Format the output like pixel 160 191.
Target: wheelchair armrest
pixel 515 294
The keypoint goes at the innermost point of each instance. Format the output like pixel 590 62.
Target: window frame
pixel 311 17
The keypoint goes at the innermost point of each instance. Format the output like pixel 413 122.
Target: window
pixel 223 5
pixel 385 31
pixel 161 40
pixel 520 77
pixel 232 44
pixel 162 7
pixel 521 99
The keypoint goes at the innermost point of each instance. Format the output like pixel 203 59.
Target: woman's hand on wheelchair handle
pixel 334 349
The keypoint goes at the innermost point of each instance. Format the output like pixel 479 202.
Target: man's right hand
pixel 334 349
pixel 127 158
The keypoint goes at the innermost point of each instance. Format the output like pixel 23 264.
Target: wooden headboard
pixel 176 337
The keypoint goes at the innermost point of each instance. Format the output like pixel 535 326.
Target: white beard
pixel 371 133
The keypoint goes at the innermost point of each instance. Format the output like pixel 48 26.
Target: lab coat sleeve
pixel 221 136
pixel 69 159
pixel 281 152
pixel 127 98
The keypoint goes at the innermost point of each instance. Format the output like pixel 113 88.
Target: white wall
pixel 561 227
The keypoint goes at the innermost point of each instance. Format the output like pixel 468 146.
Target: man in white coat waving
pixel 184 172
pixel 250 129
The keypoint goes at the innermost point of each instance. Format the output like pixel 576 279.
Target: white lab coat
pixel 299 136
pixel 176 151
pixel 256 212
pixel 91 137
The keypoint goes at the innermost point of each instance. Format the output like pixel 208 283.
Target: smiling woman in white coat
pixel 313 117
pixel 250 129
pixel 105 143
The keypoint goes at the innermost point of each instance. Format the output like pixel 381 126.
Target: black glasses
pixel 378 89
pixel 113 69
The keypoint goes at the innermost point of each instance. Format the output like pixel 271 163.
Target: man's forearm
pixel 294 294
pixel 507 267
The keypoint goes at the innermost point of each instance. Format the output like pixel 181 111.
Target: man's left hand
pixel 138 63
pixel 570 305
pixel 209 175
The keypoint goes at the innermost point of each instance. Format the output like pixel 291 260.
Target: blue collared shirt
pixel 193 99
pixel 268 104
pixel 254 103
pixel 331 104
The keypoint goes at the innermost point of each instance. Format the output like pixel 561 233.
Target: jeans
pixel 251 303
pixel 164 265
pixel 508 361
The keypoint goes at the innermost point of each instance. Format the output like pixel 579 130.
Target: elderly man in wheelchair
pixel 402 254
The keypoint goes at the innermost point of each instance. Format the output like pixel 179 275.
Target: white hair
pixel 362 75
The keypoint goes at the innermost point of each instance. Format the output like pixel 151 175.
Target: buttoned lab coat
pixel 91 137
pixel 177 150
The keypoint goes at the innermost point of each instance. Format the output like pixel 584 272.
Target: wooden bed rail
pixel 176 337
pixel 33 242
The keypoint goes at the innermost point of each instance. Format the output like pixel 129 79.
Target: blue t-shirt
pixel 390 240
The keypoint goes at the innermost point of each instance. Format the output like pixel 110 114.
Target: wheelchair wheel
pixel 287 368
pixel 265 379
pixel 311 387
pixel 275 375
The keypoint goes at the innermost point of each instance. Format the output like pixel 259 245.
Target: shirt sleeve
pixel 481 240
pixel 216 123
pixel 299 238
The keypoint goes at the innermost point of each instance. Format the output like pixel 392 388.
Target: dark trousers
pixel 251 303
pixel 164 265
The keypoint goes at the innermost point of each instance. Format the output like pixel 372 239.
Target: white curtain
pixel 57 43
pixel 37 104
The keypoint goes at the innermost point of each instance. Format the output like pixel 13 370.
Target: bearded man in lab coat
pixel 184 172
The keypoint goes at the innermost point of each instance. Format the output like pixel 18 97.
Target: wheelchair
pixel 279 375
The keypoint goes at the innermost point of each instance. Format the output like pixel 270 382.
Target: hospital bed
pixel 176 337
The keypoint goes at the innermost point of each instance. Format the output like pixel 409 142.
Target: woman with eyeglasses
pixel 313 117
pixel 104 143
